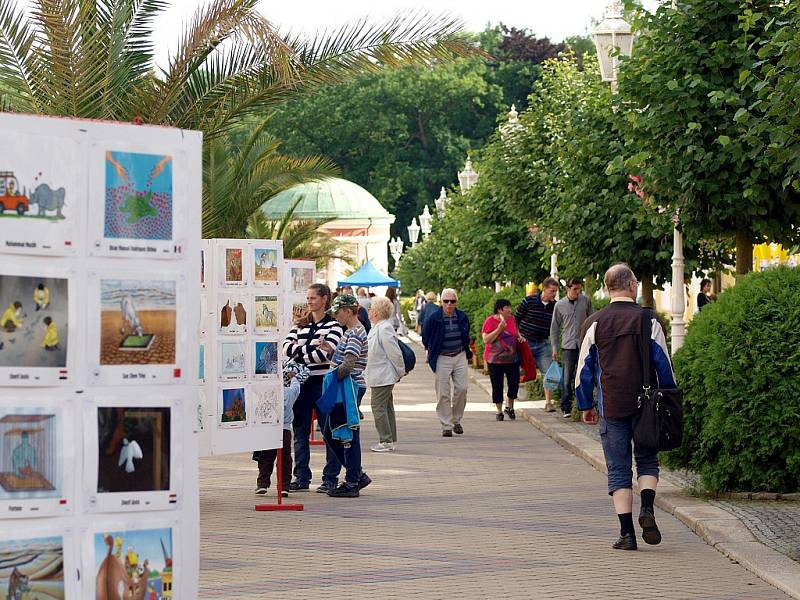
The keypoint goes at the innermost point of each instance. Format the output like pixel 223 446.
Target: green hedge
pixel 740 372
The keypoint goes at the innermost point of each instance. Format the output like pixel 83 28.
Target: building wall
pixel 364 239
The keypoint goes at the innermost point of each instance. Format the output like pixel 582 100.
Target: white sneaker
pixel 383 447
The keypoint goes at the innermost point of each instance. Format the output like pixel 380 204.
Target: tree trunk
pixel 647 292
pixel 744 253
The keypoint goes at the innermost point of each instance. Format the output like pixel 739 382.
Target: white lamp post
pixel 413 232
pixel 511 127
pixel 612 37
pixel 396 249
pixel 441 202
pixel 425 222
pixel 468 177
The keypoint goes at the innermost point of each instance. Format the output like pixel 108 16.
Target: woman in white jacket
pixel 385 367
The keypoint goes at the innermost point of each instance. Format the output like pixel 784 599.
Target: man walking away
pixel 568 315
pixel 610 358
pixel 445 335
pixel 533 316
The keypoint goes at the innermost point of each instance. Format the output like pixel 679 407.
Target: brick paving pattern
pixel 774 523
pixel 502 512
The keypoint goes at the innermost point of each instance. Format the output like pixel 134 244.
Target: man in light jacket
pixel 385 367
pixel 565 336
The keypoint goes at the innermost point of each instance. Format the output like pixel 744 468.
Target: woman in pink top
pixel 500 336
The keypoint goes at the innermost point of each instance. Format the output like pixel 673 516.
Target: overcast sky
pixel 555 19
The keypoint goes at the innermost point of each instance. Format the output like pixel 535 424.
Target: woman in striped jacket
pixel 303 346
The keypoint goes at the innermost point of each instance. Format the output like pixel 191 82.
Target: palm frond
pixel 17 73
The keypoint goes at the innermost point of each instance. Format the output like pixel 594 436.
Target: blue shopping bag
pixel 552 379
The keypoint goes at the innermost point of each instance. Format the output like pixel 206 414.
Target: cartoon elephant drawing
pixel 48 199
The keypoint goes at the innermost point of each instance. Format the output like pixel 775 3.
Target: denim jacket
pixel 433 334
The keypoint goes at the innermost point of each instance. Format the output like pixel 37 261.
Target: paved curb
pixel 719 528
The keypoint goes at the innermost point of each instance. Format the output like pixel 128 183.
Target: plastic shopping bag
pixel 552 379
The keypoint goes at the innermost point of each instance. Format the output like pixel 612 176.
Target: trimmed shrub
pixel 740 372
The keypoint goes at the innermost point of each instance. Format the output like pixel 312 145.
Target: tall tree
pixel 687 84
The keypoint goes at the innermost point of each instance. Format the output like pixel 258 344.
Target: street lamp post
pixel 413 232
pixel 613 37
pixel 468 177
pixel 425 222
pixel 441 202
pixel 396 249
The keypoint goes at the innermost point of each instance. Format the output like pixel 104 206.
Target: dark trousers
pixel 570 360
pixel 266 462
pixel 497 371
pixel 310 392
pixel 337 454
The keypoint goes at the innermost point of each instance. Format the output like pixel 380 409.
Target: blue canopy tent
pixel 369 276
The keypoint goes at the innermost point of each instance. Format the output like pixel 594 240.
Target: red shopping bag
pixel 527 362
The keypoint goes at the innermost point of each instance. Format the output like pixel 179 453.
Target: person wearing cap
pixel 294 375
pixel 349 359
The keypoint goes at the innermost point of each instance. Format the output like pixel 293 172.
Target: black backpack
pixel 409 358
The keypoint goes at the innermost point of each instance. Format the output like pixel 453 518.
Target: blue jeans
pixel 543 353
pixel 337 455
pixel 617 438
pixel 569 360
pixel 310 391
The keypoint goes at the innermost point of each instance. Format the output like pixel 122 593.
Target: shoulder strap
pixel 645 346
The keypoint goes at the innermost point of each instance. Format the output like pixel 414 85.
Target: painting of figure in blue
pixel 138 196
pixel 266 358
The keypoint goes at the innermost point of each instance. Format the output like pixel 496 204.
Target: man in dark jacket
pixel 445 335
pixel 610 358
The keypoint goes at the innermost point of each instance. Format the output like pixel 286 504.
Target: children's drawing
pixel 301 278
pixel 30 462
pixel 231 313
pixel 137 322
pixel 39 201
pixel 32 568
pixel 233 265
pixel 231 360
pixel 266 358
pixel 268 403
pixel 138 196
pixel 234 407
pixel 299 309
pixel 266 264
pixel 33 324
pixel 134 564
pixel 266 312
pixel 134 451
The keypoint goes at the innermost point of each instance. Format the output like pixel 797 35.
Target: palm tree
pixel 238 177
pixel 95 59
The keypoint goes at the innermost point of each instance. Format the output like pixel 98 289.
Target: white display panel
pixel 42 195
pixel 37 452
pixel 52 379
pixel 244 324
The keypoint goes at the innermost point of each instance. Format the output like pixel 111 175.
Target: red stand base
pixel 280 505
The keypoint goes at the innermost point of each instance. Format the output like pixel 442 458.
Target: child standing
pixel 294 375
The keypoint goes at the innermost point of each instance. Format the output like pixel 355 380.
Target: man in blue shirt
pixel 445 335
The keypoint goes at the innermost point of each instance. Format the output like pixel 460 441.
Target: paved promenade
pixel 501 512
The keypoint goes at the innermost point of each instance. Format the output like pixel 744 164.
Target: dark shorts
pixel 617 438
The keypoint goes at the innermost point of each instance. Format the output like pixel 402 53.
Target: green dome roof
pixel 330 198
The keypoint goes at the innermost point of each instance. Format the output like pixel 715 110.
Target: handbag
pixel 527 362
pixel 409 358
pixel 658 421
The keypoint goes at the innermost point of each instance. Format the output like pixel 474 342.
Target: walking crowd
pixel 346 343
